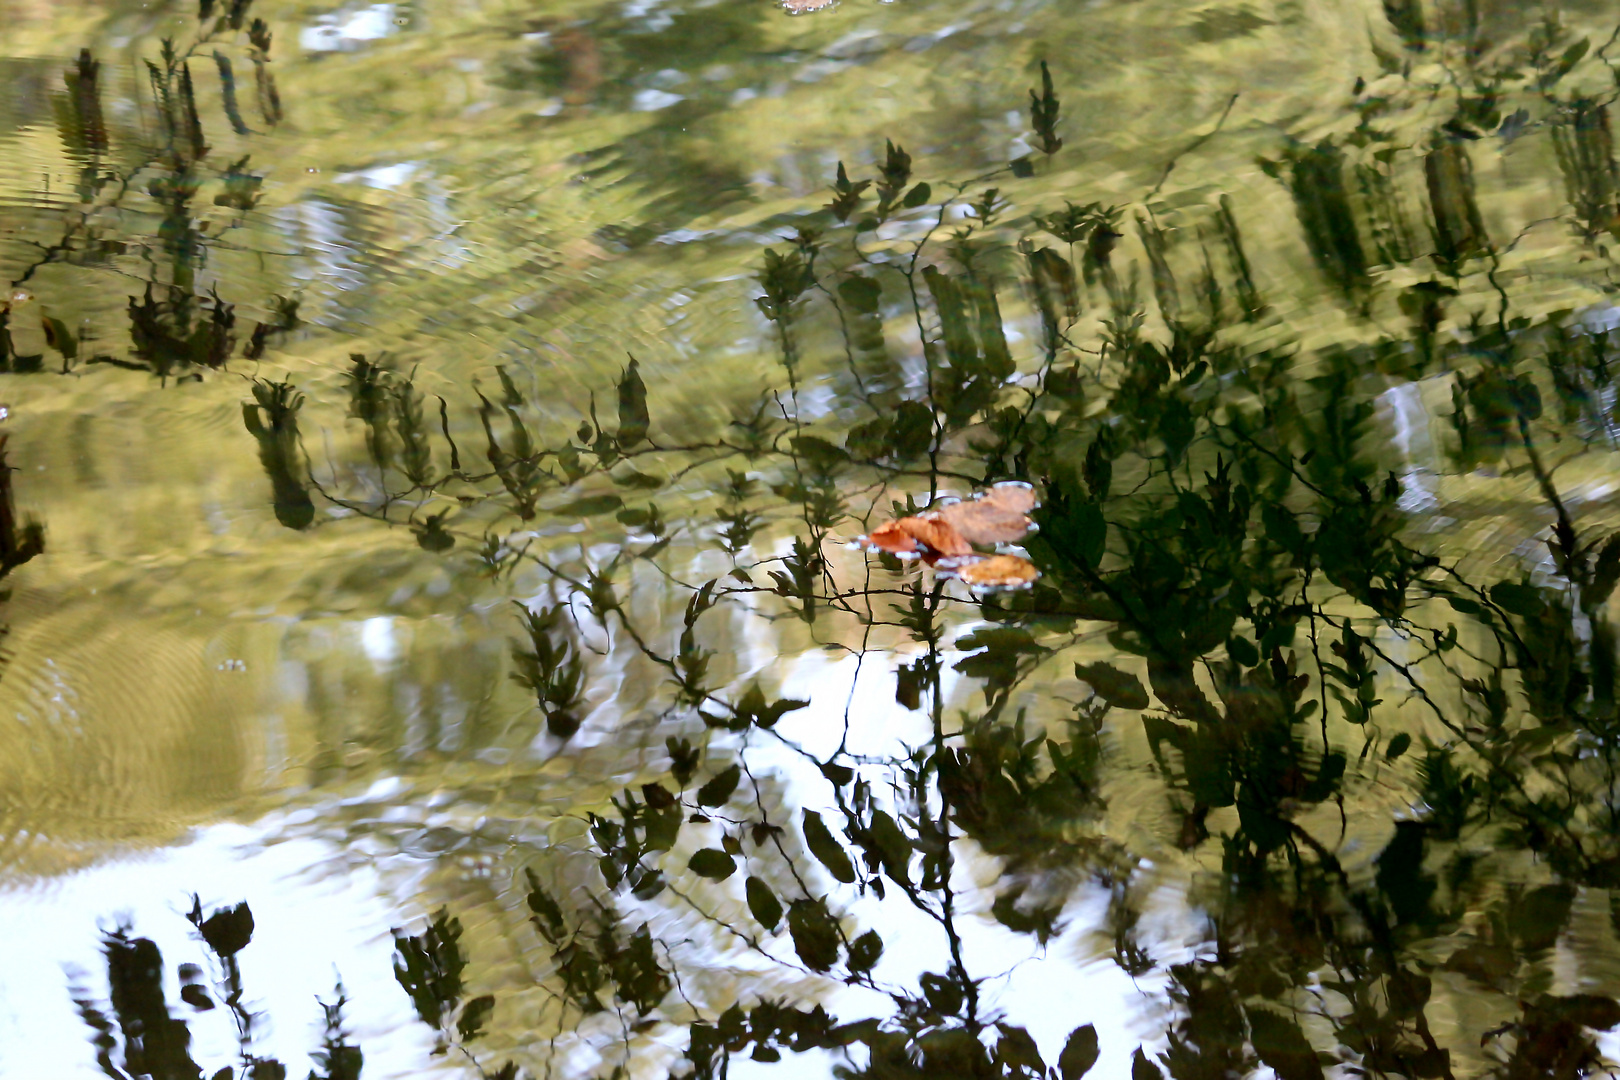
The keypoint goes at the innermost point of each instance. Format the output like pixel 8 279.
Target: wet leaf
pixel 999 572
pixel 828 851
pixel 926 533
pixel 713 864
pixel 767 909
pixel 998 516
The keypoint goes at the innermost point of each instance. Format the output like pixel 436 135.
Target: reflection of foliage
pixel 19 540
pixel 552 668
pixel 272 419
pixel 136 1035
pixel 175 326
pixel 1225 517
pixel 428 966
pixel 1221 514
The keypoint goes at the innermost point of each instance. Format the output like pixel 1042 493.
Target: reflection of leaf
pixel 766 908
pixel 1016 1048
pixel 590 506
pixel 196 996
pixel 719 789
pixel 893 846
pixel 865 951
pixel 913 429
pixel 549 915
pixel 1119 688
pixel 470 1024
pixel 1516 599
pixel 1400 873
pixel 228 930
pixel 633 417
pixel 1281 1045
pixel 752 708
pixel 429 965
pixel 1079 1053
pixel 713 864
pixel 942 992
pixel 815 934
pixel 630 478
pixel 828 851
pixel 1143 1069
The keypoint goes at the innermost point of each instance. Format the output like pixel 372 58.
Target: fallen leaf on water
pixel 998 516
pixel 998 572
pixel 924 534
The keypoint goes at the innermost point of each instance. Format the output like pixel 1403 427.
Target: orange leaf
pixel 892 537
pixel 998 516
pixel 999 572
pixel 926 534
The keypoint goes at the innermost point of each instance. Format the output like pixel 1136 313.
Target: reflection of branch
pixel 1170 165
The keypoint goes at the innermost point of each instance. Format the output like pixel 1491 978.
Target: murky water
pixel 478 498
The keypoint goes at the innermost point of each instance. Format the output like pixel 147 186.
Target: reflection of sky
pixel 308 931
pixel 1049 990
pixel 348 29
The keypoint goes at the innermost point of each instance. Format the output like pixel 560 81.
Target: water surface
pixel 439 437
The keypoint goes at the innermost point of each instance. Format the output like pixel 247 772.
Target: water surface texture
pixel 702 538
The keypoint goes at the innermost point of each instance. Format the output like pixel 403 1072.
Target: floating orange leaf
pixel 998 572
pixel 944 537
pixel 924 534
pixel 998 516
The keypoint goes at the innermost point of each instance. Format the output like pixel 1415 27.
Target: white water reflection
pixel 310 930
pixel 347 30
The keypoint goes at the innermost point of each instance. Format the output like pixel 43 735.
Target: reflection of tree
pixel 1216 508
pixel 175 326
pixel 1227 550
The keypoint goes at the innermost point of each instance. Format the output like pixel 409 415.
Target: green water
pixel 438 438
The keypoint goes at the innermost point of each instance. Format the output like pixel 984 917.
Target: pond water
pixel 871 538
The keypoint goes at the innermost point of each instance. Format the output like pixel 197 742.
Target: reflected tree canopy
pixel 1282 649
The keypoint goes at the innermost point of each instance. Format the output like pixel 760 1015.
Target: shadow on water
pixel 1374 754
